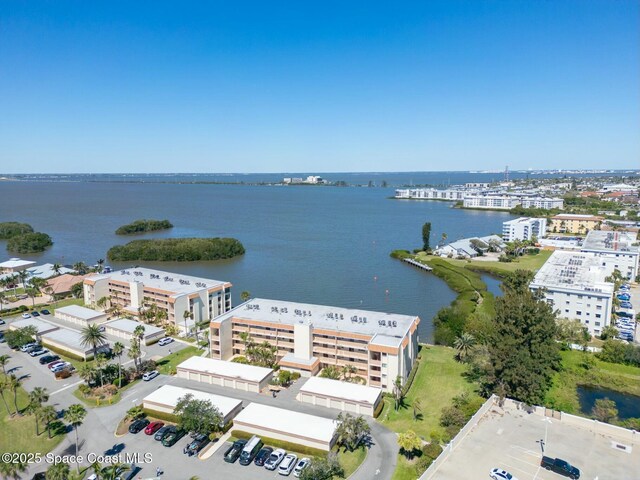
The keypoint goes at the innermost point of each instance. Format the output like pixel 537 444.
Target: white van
pixel 250 450
pixel 150 375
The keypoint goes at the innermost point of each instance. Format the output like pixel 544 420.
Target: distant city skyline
pixel 251 87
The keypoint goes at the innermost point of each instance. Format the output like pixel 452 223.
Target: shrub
pixel 400 254
pixel 33 242
pixel 120 382
pixel 177 250
pixel 452 416
pixel 140 226
pixel 288 446
pixel 167 417
pixel 422 464
pixel 240 359
pixel 431 450
pixel 11 229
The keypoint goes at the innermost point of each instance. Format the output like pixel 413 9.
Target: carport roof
pixel 77 311
pixel 41 325
pixel 128 326
pixel 343 390
pixel 170 394
pixel 249 373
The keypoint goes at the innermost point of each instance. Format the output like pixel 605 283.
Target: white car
pixel 165 341
pixel 60 366
pixel 287 464
pixel 26 315
pixel 150 375
pixel 28 346
pixel 274 459
pixel 499 474
pixel 38 351
pixel 302 464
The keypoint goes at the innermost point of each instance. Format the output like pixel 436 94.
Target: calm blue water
pixel 493 284
pixel 325 245
pixel 628 405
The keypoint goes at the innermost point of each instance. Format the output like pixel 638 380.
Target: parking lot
pixel 513 441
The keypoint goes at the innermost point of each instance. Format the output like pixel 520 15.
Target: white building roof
pixel 288 422
pixel 240 371
pixel 573 271
pixel 614 242
pixel 352 392
pixel 173 282
pixel 46 271
pixel 128 326
pixel 70 338
pixel 322 316
pixel 16 263
pixel 77 311
pixel 169 395
pixel 42 326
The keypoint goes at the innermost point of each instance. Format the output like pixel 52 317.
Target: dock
pixel 422 266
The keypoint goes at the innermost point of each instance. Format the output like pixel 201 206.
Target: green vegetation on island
pixel 177 250
pixel 141 226
pixel 34 242
pixel 11 229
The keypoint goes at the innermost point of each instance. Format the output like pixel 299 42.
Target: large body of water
pixel 324 245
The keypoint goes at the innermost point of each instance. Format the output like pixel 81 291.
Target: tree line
pixel 177 250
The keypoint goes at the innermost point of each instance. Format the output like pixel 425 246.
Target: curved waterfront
pixel 325 245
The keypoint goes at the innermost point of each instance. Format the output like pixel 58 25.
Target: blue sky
pixel 318 86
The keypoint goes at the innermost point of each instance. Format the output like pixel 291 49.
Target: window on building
pixel 597 324
pixel 578 312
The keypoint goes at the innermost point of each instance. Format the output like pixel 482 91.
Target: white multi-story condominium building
pixel 615 249
pixel 542 202
pixel 574 283
pixel 524 228
pixel 502 202
pixel 308 338
pixel 137 288
pixel 450 194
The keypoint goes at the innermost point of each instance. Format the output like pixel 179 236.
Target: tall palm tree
pixel 3 296
pixel 93 337
pixel 101 362
pixel 14 385
pixel 4 359
pixel 114 471
pixel 118 349
pixel 102 302
pixel 4 387
pixel 463 345
pixel 87 372
pixel 75 416
pixel 187 314
pixel 348 371
pixel 37 397
pixel 12 470
pixel 58 471
pixel 80 267
pixel 100 263
pixel 48 415
pixel 57 268
pixel 23 275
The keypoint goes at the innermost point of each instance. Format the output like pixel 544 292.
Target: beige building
pixel 124 328
pixel 135 288
pixel 226 374
pixel 573 223
pixel 309 337
pixel 345 396
pixel 80 316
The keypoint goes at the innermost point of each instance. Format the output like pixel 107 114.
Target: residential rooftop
pixel 16 263
pixel 574 271
pixel 365 322
pixel 67 337
pixel 224 368
pixel 41 325
pixel 128 326
pixel 611 241
pixel 46 271
pixel 77 311
pixel 343 390
pixel 170 395
pixel 174 282
pixel 576 216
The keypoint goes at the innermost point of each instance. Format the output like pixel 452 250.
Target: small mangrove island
pixel 11 229
pixel 142 226
pixel 176 250
pixel 22 239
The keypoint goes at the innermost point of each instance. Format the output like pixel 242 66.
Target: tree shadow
pixel 418 417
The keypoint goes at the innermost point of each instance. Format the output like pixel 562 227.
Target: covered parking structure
pixel 42 326
pixel 345 396
pixel 69 342
pixel 124 328
pixel 166 398
pixel 226 374
pixel 81 316
pixel 287 425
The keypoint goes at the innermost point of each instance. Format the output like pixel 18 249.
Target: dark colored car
pixel 171 438
pixel 138 425
pixel 35 314
pixel 39 476
pixel 262 456
pixel 560 466
pixel 153 427
pixel 48 359
pixel 163 431
pixel 196 445
pixel 234 451
pixel 45 312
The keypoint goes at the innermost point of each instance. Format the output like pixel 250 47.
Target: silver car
pixel 287 464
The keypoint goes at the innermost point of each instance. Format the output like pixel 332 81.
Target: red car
pixel 153 427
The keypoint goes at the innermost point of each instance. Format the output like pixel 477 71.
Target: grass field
pixel 167 365
pixel 526 262
pixel 405 470
pixel 350 461
pixel 438 380
pixel 18 433
pixel 563 395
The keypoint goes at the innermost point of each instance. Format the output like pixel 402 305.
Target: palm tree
pixel 417 407
pixel 75 416
pixel 58 471
pixel 101 362
pixel 48 415
pixel 348 371
pixel 37 397
pixel 102 302
pixel 114 471
pixel 463 345
pixel 87 372
pixel 12 470
pixel 80 267
pixel 14 385
pixel 185 315
pixel 4 386
pixel 118 349
pixel 23 275
pixel 100 263
pixel 397 391
pixel 97 469
pixel 4 359
pixel 57 268
pixel 92 336
pixel 2 299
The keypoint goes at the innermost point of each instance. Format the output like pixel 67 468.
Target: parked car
pixel 35 314
pixel 153 427
pixel 2 322
pixel 45 312
pixel 499 474
pixel 250 450
pixel 302 464
pixel 27 347
pixel 48 359
pixel 165 341
pixel 64 373
pixel 234 451
pixel 101 328
pixel 262 456
pixel 560 466
pixel 55 363
pixel 38 351
pixel 196 445
pixel 163 431
pixel 172 437
pixel 26 315
pixel 150 375
pixel 60 366
pixel 624 296
pixel 274 459
pixel 138 425
pixel 287 465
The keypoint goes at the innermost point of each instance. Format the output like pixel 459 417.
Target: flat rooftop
pixel 16 263
pixel 41 325
pixel 46 271
pixel 287 422
pixel 573 270
pixel 169 395
pixel 344 390
pixel 223 368
pixel 611 241
pixel 77 311
pixel 322 316
pixel 575 216
pixel 70 338
pixel 174 282
pixel 128 326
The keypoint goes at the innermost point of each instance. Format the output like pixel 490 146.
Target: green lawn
pixel 65 303
pixel 350 461
pixel 405 470
pixel 526 262
pixel 438 380
pixel 563 395
pixel 18 433
pixel 167 365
